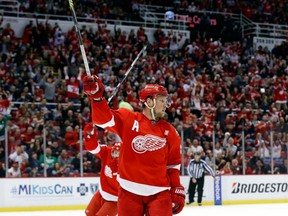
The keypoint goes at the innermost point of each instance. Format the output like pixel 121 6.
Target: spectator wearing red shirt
pixel 134 101
pixel 200 128
pixel 267 9
pixel 141 34
pixel 188 123
pixel 22 124
pixel 72 138
pixel 264 125
pixel 17 136
pixel 226 170
pixel 73 89
pixel 27 34
pixel 280 96
pixel 28 137
pixel 3 70
pixel 8 31
pixel 11 144
pixel 38 93
pixel 209 114
pixel 248 11
pixel 4 104
pixel 73 39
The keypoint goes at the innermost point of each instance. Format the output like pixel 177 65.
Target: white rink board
pixel 64 193
pixel 260 187
pixel 47 191
pixel 208 191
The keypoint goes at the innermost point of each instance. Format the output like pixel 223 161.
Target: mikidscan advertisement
pixel 47 191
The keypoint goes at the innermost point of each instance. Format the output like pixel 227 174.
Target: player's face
pixel 115 153
pixel 161 106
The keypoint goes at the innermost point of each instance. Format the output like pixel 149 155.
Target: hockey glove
pixel 114 166
pixel 93 87
pixel 90 137
pixel 178 199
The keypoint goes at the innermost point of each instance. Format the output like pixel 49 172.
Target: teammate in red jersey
pixel 150 158
pixel 104 201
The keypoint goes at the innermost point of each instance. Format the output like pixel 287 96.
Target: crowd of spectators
pixel 212 17
pixel 263 11
pixel 87 9
pixel 225 87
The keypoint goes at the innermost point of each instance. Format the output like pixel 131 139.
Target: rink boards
pixel 75 193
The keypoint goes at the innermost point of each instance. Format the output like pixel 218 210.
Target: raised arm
pixel 90 138
pixel 209 169
pixel 102 115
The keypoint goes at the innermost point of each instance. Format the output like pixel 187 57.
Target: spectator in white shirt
pixel 276 151
pixel 19 155
pixel 195 146
pixel 59 37
pixel 14 171
pixel 218 149
pixel 234 58
pixel 228 144
pixel 191 48
pixel 263 151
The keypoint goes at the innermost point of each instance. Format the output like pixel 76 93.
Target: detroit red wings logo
pixel 141 144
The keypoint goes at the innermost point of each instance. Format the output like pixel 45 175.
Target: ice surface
pixel 227 210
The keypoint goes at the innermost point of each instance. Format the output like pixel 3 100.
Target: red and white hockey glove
pixel 114 166
pixel 93 87
pixel 178 199
pixel 90 137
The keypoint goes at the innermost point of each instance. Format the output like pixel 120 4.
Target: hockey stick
pixel 81 45
pixel 127 73
pixel 79 38
pixel 85 57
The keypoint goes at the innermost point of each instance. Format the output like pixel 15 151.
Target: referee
pixel 196 168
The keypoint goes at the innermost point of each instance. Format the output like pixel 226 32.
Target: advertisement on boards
pixel 47 191
pixel 255 187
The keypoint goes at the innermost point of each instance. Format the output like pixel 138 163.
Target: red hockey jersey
pixel 150 149
pixel 108 182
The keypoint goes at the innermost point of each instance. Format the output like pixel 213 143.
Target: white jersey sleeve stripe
pixel 95 151
pixel 107 196
pixel 110 123
pixel 174 167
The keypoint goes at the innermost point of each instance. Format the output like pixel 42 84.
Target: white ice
pixel 228 210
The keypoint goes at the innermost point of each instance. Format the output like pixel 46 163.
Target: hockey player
pixel 150 158
pixel 104 201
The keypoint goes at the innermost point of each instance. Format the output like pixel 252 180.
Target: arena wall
pixel 18 194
